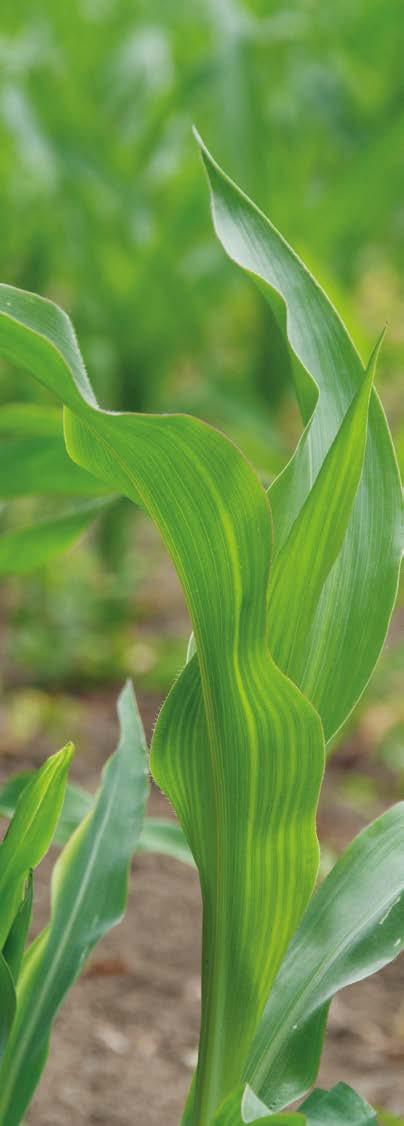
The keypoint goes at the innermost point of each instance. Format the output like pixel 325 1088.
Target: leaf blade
pixel 353 926
pixel 89 890
pixel 326 371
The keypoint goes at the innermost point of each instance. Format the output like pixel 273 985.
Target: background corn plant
pixel 290 594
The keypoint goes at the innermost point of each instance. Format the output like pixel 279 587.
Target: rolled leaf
pixel 13 950
pixel 89 891
pixel 344 640
pixel 30 833
pixel 353 926
pixel 8 1003
pixel 235 733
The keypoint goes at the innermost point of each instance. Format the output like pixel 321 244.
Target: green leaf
pixel 30 832
pixel 14 946
pixel 23 549
pixel 235 733
pixel 344 640
pixel 158 834
pixel 8 1003
pixel 33 457
pixel 339 1107
pixel 89 891
pixel 353 926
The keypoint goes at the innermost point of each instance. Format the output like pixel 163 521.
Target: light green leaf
pixel 89 891
pixel 229 1114
pixel 23 549
pixel 30 832
pixel 353 926
pixel 344 640
pixel 339 1107
pixel 14 946
pixel 234 732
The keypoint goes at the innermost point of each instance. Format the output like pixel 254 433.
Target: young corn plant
pixel 290 593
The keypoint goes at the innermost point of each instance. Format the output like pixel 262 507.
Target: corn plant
pixel 290 592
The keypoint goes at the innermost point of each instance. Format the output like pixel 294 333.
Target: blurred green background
pixel 104 209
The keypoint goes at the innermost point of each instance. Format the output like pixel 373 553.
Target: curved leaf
pixel 353 926
pixel 319 356
pixel 234 732
pixel 339 1107
pixel 229 1114
pixel 89 891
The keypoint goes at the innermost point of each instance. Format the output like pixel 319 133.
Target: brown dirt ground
pixel 124 1043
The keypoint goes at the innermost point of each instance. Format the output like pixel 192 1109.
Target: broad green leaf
pixel 235 733
pixel 89 891
pixel 23 549
pixel 14 946
pixel 158 834
pixel 344 640
pixel 7 1003
pixel 353 926
pixel 30 832
pixel 339 1107
pixel 33 458
pixel 229 1114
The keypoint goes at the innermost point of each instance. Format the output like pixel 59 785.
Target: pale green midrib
pixel 49 976
pixel 294 1007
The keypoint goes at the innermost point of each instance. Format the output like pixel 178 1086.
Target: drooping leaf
pixel 13 950
pixel 234 732
pixel 89 891
pixel 339 1107
pixel 23 549
pixel 327 372
pixel 353 926
pixel 30 833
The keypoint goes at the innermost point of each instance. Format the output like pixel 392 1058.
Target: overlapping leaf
pixel 158 834
pixel 343 641
pixel 89 891
pixel 234 734
pixel 339 1107
pixel 353 926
